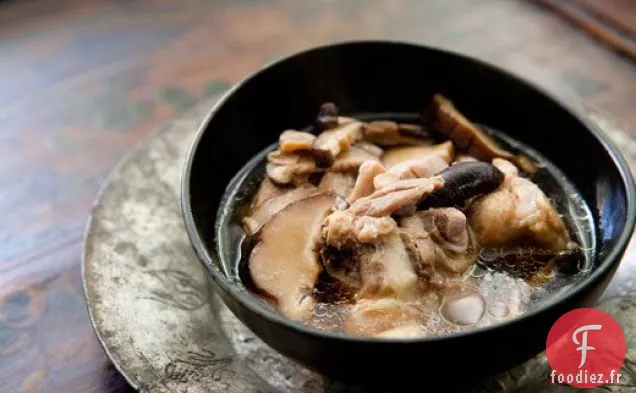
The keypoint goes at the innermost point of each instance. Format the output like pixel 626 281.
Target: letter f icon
pixel 584 347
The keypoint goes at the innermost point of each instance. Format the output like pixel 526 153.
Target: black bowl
pixel 373 77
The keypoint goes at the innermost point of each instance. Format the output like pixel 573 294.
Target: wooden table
pixel 83 81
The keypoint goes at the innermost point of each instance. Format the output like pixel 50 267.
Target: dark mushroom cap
pixel 464 181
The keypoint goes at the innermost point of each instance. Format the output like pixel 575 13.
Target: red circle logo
pixel 586 348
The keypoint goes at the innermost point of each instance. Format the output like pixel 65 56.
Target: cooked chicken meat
pixel 389 199
pixel 517 213
pixel 343 228
pixel 386 270
pixel 364 183
pixel 425 166
pixel 438 238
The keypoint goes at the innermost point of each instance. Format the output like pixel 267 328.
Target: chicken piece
pixel 447 226
pixel 263 213
pixel 342 229
pixel 370 317
pixel 266 190
pixel 350 160
pixel 394 196
pixel 340 184
pixel 291 141
pixel 283 264
pixel 386 270
pixel 438 238
pixel 397 155
pixel 467 136
pixel 517 213
pixel 329 144
pixel 289 168
pixel 425 166
pixel 390 133
pixel 373 246
pixel 364 182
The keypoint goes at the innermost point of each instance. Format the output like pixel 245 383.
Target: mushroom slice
pixel 327 116
pixel 390 133
pixel 263 213
pixel 266 191
pixel 289 168
pixel 467 136
pixel 332 142
pixel 340 184
pixel 291 141
pixel 350 160
pixel 396 155
pixel 284 263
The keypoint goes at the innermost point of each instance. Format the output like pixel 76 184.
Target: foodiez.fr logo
pixel 586 348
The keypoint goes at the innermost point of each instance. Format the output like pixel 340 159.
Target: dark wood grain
pixel 611 21
pixel 84 80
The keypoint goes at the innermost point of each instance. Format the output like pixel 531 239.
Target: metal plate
pixel 165 331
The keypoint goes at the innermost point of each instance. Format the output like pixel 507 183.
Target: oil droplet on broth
pixel 464 311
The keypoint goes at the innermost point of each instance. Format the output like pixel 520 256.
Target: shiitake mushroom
pixel 462 182
pixel 283 264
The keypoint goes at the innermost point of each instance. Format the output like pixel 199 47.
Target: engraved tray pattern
pixel 154 312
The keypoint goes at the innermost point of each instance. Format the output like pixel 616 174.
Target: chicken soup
pixel 410 226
